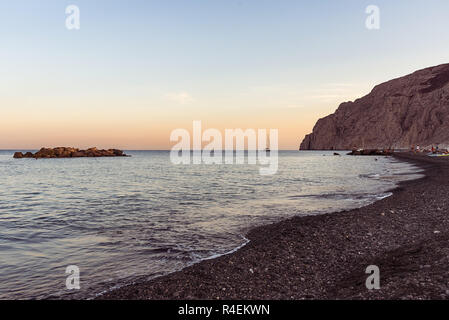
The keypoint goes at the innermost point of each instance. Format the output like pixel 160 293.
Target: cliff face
pixel 412 110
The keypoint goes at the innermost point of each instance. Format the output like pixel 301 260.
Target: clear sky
pixel 138 69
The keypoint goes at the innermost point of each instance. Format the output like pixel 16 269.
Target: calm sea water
pixel 123 219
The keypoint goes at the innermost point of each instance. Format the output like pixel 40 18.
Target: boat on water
pixel 267 149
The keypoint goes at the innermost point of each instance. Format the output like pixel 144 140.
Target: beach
pixel 325 256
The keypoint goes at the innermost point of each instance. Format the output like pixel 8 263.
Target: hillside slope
pixel 411 110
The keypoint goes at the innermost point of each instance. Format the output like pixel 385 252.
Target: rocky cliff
pixel 412 110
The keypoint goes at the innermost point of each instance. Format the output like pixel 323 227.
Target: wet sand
pixel 325 257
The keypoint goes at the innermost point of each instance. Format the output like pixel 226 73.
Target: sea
pixel 123 220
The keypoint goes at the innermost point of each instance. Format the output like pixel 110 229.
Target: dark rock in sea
pixel 336 154
pixel 370 152
pixel 78 154
pixel 68 152
pixel 412 110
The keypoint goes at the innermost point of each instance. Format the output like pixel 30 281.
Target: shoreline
pixel 325 256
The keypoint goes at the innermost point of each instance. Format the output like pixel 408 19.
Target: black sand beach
pixel 325 257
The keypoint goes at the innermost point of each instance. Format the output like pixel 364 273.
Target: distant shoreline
pixel 325 256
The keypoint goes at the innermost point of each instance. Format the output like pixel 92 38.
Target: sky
pixel 136 70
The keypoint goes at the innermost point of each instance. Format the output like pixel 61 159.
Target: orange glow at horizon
pixel 38 123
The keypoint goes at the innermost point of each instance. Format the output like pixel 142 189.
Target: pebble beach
pixel 326 256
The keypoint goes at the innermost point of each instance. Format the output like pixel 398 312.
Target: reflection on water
pixel 119 219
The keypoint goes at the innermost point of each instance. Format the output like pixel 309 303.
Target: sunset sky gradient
pixel 138 69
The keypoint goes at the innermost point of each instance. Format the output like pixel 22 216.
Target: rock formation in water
pixel 412 110
pixel 67 152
